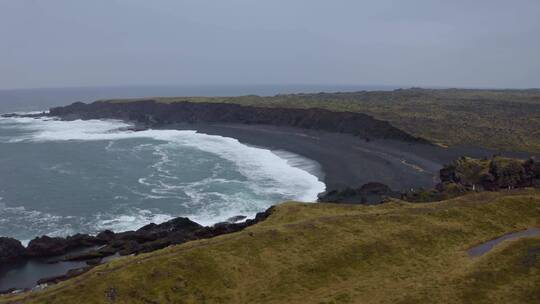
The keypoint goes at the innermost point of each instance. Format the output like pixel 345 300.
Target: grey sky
pixel 57 43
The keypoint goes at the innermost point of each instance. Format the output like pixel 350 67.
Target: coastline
pixel 347 160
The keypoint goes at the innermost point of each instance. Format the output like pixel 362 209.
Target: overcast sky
pixel 473 43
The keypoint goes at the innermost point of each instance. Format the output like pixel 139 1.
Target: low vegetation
pixel 329 253
pixel 467 174
pixel 498 119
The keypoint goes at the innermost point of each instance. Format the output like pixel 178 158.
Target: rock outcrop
pixel 156 236
pixel 52 246
pixel 492 174
pixel 107 243
pixel 367 194
pixel 467 174
pixel 152 113
pixel 10 250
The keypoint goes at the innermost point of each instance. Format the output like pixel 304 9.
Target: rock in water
pixel 236 219
pixel 52 246
pixel 46 246
pixel 178 224
pixel 11 250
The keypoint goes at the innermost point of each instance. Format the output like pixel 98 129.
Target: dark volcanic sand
pixel 347 160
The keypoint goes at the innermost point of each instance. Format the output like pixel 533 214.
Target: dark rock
pixel 130 247
pixel 107 250
pixel 261 216
pixel 52 246
pixel 157 236
pixel 11 250
pixel 152 113
pixel 507 173
pixel 369 194
pixel 70 274
pixel 178 224
pixel 105 236
pixel 83 240
pixel 89 255
pixel 232 220
pixel 149 238
pixel 236 218
pixel 491 174
pixel 46 246
pixel 448 173
pixel 467 174
pixel 137 129
pixel 137 236
pixel 162 243
pixel 94 262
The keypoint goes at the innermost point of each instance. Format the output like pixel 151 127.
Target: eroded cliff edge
pixel 153 113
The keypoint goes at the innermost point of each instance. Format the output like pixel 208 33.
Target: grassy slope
pixel 325 253
pixel 499 119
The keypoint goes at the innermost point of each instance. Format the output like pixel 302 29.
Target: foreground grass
pixel 326 253
pixel 497 119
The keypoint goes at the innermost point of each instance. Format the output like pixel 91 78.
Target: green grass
pixel 497 119
pixel 326 253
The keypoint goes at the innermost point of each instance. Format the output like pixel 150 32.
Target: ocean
pixel 63 177
pixel 40 99
pixel 59 178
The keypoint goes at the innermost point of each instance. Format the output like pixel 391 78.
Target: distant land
pixel 43 98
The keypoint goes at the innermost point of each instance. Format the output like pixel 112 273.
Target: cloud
pixel 104 42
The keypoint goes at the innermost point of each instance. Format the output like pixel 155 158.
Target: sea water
pixel 64 177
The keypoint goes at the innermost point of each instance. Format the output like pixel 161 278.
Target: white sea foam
pixel 33 221
pixel 132 221
pixel 37 223
pixel 266 172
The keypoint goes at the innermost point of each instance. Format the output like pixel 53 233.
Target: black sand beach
pixel 347 160
pixel 352 148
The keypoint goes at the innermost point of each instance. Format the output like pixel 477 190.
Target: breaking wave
pixel 262 175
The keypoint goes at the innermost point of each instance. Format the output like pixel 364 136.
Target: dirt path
pixel 483 248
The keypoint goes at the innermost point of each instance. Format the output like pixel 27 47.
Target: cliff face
pixel 154 113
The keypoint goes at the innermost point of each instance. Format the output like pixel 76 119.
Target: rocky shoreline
pixel 154 114
pixel 108 243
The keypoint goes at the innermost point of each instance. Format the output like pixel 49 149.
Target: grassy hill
pixel 497 119
pixel 327 253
